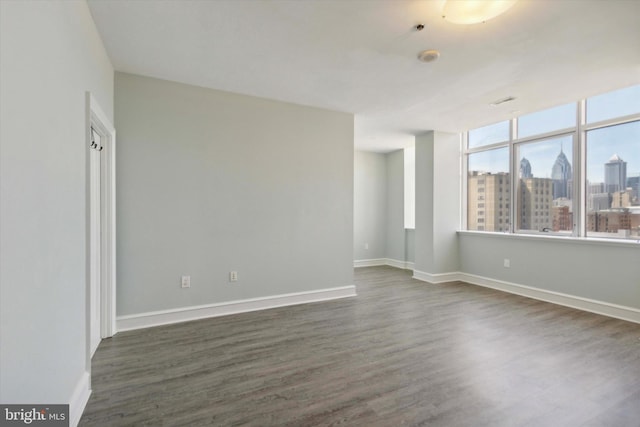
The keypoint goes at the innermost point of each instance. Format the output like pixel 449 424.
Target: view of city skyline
pixel 544 171
pixel 602 144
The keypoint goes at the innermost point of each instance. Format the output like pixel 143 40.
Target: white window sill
pixel 555 238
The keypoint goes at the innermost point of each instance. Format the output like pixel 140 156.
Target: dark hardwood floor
pixel 403 352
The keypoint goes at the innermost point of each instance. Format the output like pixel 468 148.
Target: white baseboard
pixel 369 262
pixel 405 265
pixel 79 399
pixel 438 277
pixel 165 317
pixel 607 309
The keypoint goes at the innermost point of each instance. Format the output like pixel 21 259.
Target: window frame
pixel 515 195
pixel 578 158
pixel 464 182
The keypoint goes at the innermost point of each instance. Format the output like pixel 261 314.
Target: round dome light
pixel 474 11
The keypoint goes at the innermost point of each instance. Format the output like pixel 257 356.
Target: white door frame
pixel 95 237
pixel 96 118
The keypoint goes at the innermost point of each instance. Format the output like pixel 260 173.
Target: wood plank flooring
pixel 403 352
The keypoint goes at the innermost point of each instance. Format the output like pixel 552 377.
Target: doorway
pixel 101 289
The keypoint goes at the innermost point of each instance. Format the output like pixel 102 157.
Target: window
pixel 556 118
pixel 543 164
pixel 613 104
pixel 613 181
pixel 487 135
pixel 570 177
pixel 485 170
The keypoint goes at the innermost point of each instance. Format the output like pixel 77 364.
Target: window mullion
pixel 580 160
pixel 513 174
pixel 464 167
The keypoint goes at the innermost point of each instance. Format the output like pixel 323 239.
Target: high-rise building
pixel 562 218
pixel 633 182
pixel 615 174
pixel 619 221
pixel 597 199
pixel 535 204
pixel 525 168
pixel 488 201
pixel 561 175
pixel 599 202
pixel 621 199
pixel 595 187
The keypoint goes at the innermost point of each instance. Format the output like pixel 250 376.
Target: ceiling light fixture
pixel 474 11
pixel 428 55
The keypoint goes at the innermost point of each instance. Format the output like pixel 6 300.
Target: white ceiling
pixel 361 56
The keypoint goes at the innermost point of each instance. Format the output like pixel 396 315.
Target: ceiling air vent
pixel 502 101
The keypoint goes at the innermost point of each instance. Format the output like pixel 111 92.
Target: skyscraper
pixel 615 174
pixel 534 208
pixel 561 175
pixel 633 182
pixel 525 169
pixel 488 201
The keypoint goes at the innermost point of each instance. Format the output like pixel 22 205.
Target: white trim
pixel 79 399
pixel 607 309
pixel 369 262
pixel 97 118
pixel 437 277
pixel 629 243
pixel 629 314
pixel 95 233
pixel 166 317
pixel 405 265
pixel 599 307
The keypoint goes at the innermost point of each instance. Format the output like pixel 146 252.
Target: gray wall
pixel 410 245
pixel 369 205
pixel 379 208
pixel 437 202
pixel 210 182
pixel 600 271
pixel 424 250
pixel 395 206
pixel 51 55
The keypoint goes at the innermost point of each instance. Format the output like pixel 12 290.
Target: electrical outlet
pixel 185 282
pixel 507 263
pixel 233 276
pixel 366 246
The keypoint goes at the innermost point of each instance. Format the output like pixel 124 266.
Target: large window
pixel 545 185
pixel 556 118
pixel 568 170
pixel 488 190
pixel 488 135
pixel 613 181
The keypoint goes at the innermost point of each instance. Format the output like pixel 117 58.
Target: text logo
pixel 34 415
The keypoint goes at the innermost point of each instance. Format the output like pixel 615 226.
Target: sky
pixel 623 140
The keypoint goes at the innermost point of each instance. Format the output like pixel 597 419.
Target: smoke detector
pixel 428 55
